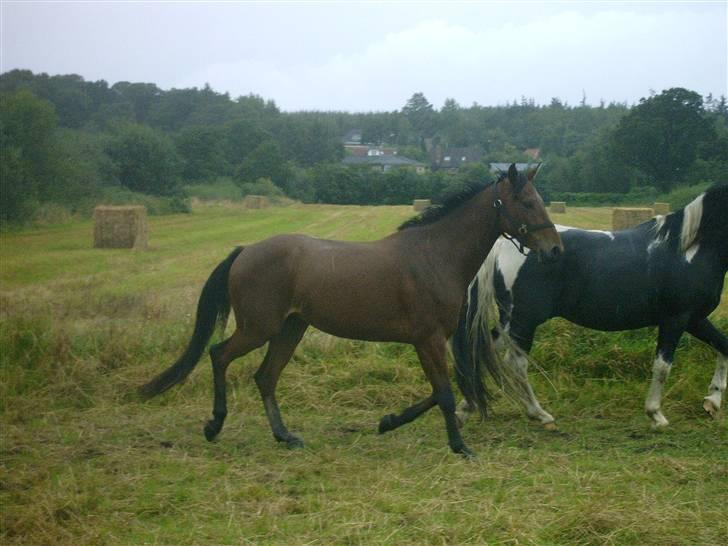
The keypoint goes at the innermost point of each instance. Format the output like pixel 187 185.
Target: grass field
pixel 84 461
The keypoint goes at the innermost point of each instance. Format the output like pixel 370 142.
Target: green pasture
pixel 84 461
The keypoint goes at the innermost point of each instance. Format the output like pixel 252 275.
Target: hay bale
pixel 623 218
pixel 421 204
pixel 661 208
pixel 256 202
pixel 558 206
pixel 120 227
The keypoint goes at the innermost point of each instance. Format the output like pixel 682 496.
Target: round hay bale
pixel 421 204
pixel 661 208
pixel 623 218
pixel 558 206
pixel 120 227
pixel 256 202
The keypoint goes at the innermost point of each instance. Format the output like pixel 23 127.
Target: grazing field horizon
pixel 85 461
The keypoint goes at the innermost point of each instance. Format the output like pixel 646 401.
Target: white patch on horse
pixel 692 215
pixel 509 264
pixel 717 387
pixel 691 252
pixel 660 371
pixel 562 229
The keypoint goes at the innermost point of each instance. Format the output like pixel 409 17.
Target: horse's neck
pixel 462 239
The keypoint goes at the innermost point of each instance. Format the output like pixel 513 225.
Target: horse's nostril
pixel 556 252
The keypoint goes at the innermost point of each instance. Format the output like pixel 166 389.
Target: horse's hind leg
pixel 222 354
pixel 667 338
pixel 392 421
pixel 706 332
pixel 518 362
pixel 280 351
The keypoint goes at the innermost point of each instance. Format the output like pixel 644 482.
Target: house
pixel 384 163
pixel 533 153
pixel 454 158
pixel 503 167
pixel 367 150
pixel 353 137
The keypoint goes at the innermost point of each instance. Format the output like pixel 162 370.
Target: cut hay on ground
pixel 623 218
pixel 256 202
pixel 421 204
pixel 558 206
pixel 120 227
pixel 661 208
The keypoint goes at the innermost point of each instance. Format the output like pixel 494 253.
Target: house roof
pixel 455 157
pixel 390 160
pixel 503 167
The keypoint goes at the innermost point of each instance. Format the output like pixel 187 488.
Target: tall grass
pixel 84 461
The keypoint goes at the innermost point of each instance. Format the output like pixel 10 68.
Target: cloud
pixel 615 55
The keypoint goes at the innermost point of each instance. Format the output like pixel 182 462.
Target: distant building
pixel 454 158
pixel 533 153
pixel 384 163
pixel 503 167
pixel 353 137
pixel 367 150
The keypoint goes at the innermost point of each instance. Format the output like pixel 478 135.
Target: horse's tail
pixel 472 344
pixel 476 351
pixel 213 308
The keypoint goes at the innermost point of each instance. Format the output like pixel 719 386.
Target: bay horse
pixel 667 272
pixel 408 287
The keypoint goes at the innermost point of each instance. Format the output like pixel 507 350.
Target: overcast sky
pixel 363 56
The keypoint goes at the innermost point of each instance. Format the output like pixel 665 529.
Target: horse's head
pixel 522 215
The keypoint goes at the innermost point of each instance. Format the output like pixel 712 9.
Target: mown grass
pixel 84 461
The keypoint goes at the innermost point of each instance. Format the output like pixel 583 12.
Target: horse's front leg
pixel 667 339
pixel 706 332
pixel 432 355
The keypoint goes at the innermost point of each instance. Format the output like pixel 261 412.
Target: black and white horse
pixel 668 272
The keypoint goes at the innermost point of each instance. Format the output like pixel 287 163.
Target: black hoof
pixel 291 441
pixel 212 429
pixel 465 452
pixel 387 423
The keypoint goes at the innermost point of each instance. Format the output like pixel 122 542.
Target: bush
pixel 221 189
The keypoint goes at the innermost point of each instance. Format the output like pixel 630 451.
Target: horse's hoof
pixel 551 427
pixel 294 442
pixel 211 431
pixel 466 453
pixel 386 423
pixel 710 408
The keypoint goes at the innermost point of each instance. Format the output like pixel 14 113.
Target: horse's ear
pixel 533 171
pixel 513 174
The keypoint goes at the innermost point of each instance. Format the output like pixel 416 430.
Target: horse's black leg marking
pixel 392 421
pixel 669 334
pixel 432 357
pixel 704 330
pixel 219 405
pixel 221 356
pixel 280 351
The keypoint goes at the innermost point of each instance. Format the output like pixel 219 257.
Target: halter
pixel 523 230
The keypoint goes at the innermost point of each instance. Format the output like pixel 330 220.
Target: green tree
pixel 27 124
pixel 145 159
pixel 420 114
pixel 661 135
pixel 265 161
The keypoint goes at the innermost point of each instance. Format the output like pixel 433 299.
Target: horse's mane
pixel 703 219
pixel 451 202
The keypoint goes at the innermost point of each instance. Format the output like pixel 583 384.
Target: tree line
pixel 72 142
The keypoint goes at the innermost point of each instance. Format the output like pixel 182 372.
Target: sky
pixel 373 56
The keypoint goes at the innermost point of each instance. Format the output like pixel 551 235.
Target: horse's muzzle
pixel 550 256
